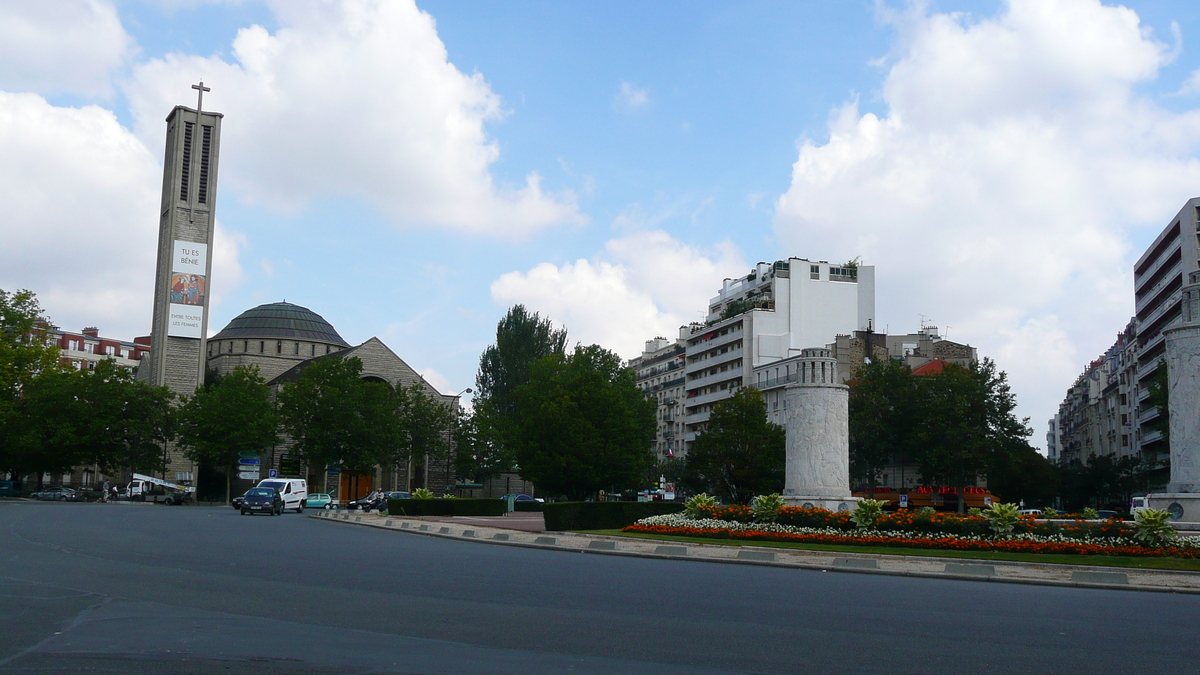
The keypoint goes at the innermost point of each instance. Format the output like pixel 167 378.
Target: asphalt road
pixel 158 589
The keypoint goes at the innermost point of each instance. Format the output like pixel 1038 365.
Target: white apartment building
pixel 1157 280
pixel 769 315
pixel 659 372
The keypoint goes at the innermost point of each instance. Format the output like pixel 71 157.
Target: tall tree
pixel 231 415
pixel 739 454
pixel 334 417
pixel 426 427
pixel 521 338
pixel 99 417
pixel 884 419
pixel 25 354
pixel 583 426
pixel 968 424
pixel 475 460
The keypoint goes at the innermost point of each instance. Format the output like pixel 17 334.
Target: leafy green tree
pixel 231 415
pixel 521 338
pixel 334 417
pixel 583 426
pixel 1023 474
pixel 474 459
pixel 25 354
pixel 740 454
pixel 884 419
pixel 99 417
pixel 426 427
pixel 968 424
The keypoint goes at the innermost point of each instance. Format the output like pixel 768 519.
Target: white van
pixel 293 490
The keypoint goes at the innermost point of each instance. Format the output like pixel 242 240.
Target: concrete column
pixel 817 422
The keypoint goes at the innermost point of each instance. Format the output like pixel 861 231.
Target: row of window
pixel 294 348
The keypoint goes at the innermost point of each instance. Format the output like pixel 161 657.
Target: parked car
pixel 524 498
pixel 236 502
pixel 1030 512
pixel 398 494
pixel 1105 514
pixel 263 500
pixel 366 503
pixel 57 494
pixel 319 500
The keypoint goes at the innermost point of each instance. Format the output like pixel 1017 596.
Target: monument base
pixel 843 504
pixel 1184 507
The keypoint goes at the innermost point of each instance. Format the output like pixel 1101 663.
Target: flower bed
pixel 1108 538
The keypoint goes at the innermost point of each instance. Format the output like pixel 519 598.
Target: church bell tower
pixel 185 239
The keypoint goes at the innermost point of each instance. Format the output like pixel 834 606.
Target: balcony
pixel 731 374
pixel 707 398
pixel 703 345
pixel 713 361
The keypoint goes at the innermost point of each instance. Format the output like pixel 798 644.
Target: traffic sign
pixel 247 453
pixel 904 501
pixel 273 474
pixel 248 475
pixel 251 462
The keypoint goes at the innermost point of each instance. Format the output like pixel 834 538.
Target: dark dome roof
pixel 281 320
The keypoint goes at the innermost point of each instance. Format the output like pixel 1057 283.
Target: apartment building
pixel 659 372
pixel 769 315
pixel 83 350
pixel 1098 416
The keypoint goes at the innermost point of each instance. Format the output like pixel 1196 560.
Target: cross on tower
pixel 200 96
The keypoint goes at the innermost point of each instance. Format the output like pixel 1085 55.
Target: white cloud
pixel 630 97
pixel 644 285
pixel 354 98
pixel 56 46
pixel 80 228
pixel 999 191
pixel 438 381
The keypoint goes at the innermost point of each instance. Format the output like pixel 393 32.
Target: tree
pixel 968 424
pixel 521 339
pixel 474 459
pixel 884 419
pixel 100 417
pixel 25 354
pixel 739 454
pixel 583 426
pixel 425 427
pixel 230 416
pixel 334 417
pixel 1023 474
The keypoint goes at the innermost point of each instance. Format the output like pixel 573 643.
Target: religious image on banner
pixel 187 289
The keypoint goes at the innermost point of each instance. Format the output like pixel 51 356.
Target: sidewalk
pixel 501 532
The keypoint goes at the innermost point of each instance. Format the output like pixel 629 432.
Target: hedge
pixel 528 506
pixel 562 516
pixel 447 507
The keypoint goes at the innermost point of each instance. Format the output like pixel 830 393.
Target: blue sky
pixel 409 171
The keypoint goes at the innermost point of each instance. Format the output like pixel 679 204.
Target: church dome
pixel 281 320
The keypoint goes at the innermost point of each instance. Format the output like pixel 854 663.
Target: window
pixel 205 145
pixel 814 271
pixel 245 346
pixel 279 346
pixel 297 348
pixel 187 161
pixel 110 350
pixel 262 347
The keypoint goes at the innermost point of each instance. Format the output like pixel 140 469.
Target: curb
pixel 1101 578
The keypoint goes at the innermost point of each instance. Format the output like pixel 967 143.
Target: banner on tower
pixel 188 290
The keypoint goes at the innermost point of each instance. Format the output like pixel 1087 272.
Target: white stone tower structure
pixel 185 238
pixel 817 422
pixel 1183 391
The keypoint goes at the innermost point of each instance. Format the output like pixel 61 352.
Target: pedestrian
pixel 104 494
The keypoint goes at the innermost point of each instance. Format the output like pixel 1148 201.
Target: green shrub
pixel 700 505
pixel 564 516
pixel 447 507
pixel 528 507
pixel 422 493
pixel 867 512
pixel 1003 517
pixel 1090 514
pixel 1049 513
pixel 975 512
pixel 1152 527
pixel 766 507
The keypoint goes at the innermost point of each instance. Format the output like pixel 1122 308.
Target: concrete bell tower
pixel 185 239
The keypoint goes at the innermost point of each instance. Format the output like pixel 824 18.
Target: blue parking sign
pixel 273 473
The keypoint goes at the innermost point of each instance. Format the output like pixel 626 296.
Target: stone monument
pixel 817 422
pixel 1182 498
pixel 185 238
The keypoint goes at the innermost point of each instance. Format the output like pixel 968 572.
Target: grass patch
pixel 1134 562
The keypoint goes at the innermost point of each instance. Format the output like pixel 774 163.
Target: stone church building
pixel 281 339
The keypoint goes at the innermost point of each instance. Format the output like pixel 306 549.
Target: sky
pixel 411 170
